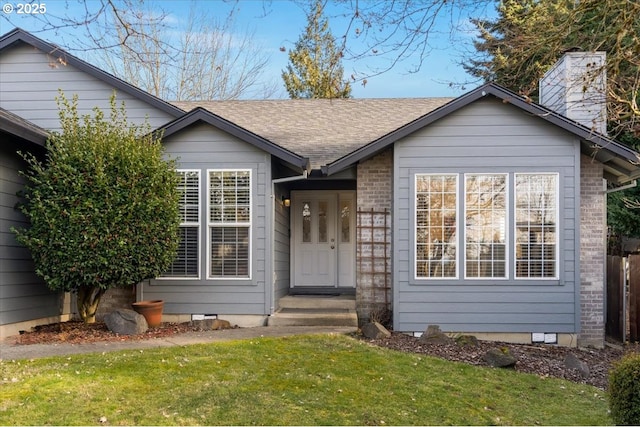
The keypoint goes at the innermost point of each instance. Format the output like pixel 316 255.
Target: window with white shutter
pixel 186 262
pixel 229 222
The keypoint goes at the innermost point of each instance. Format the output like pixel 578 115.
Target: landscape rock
pixel 467 340
pixel 500 358
pixel 126 322
pixel 375 330
pixel 571 361
pixel 433 335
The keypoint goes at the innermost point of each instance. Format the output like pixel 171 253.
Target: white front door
pixel 323 236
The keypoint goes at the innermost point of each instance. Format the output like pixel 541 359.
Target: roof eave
pixel 390 138
pixel 22 129
pixel 583 132
pixel 19 35
pixel 202 115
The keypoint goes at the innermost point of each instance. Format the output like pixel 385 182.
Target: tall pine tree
pixel 315 65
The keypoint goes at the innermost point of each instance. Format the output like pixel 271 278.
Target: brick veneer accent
pixel 592 253
pixel 375 182
pixel 374 192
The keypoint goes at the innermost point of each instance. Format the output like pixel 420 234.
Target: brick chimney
pixel 576 88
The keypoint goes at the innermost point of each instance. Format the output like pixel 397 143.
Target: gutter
pixel 633 184
pixel 305 175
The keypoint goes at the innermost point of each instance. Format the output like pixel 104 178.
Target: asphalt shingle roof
pixel 321 129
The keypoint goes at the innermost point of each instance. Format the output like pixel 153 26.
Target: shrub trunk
pixel 88 301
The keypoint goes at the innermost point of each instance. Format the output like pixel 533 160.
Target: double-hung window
pixel 484 214
pixel 536 214
pixel 485 227
pixel 436 226
pixel 186 262
pixel 229 223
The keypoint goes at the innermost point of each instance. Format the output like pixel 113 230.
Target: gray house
pixel 483 214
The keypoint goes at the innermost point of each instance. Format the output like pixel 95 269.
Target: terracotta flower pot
pixel 151 310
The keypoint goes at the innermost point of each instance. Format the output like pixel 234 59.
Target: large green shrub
pixel 102 206
pixel 624 391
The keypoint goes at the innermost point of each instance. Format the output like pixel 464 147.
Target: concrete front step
pixel 306 310
pixel 347 302
pixel 313 318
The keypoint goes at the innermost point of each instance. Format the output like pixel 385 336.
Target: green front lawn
pixel 302 380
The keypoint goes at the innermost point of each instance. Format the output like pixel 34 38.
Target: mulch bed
pixel 545 361
pixel 542 360
pixel 77 332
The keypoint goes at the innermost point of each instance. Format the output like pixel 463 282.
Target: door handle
pixel 333 246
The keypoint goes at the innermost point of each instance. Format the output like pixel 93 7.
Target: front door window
pixel 322 221
pixel 345 220
pixel 306 222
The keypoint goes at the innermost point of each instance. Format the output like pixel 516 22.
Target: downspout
pixel 305 175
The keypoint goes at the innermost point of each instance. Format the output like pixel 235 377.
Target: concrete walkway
pixel 15 352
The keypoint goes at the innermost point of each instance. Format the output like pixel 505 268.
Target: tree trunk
pixel 88 301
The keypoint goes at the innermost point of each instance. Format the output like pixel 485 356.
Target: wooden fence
pixel 623 298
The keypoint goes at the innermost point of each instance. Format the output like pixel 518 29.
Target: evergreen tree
pixel 505 51
pixel 623 207
pixel 315 65
pixel 529 36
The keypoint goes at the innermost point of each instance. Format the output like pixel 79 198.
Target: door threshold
pixel 312 290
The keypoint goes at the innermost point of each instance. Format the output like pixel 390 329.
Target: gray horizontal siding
pixel 23 295
pixel 202 147
pixel 281 247
pixel 29 83
pixel 487 136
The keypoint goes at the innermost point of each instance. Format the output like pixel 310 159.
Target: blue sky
pixel 279 23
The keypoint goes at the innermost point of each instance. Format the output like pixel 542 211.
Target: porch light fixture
pixel 286 201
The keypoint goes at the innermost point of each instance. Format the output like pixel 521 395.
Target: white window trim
pixel 463 219
pixel 248 225
pixel 415 227
pixel 191 224
pixel 557 242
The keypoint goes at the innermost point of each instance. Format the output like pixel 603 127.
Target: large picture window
pixel 485 214
pixel 186 262
pixel 229 222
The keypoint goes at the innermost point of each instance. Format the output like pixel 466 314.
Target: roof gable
pixel 18 35
pixel 198 115
pixel 621 162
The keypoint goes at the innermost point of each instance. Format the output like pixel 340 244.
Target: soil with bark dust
pixel 542 360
